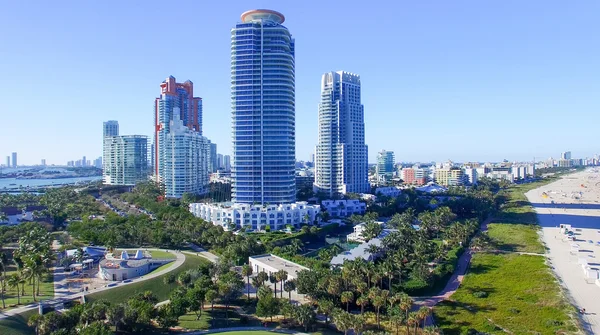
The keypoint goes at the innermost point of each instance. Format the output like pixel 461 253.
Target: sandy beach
pixel 574 200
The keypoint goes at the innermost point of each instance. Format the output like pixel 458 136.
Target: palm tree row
pixel 32 258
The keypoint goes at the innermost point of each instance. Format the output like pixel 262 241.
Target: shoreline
pixel 573 199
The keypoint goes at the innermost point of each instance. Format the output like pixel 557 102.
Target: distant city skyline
pixel 502 79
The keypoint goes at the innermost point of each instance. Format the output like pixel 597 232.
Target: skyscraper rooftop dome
pixel 265 14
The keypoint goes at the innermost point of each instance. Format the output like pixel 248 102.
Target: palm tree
pixel 169 279
pixel 3 278
pixel 387 269
pixel 116 315
pixel 394 299
pixel 35 321
pixel 347 297
pixel 289 286
pixel 334 288
pixel 371 231
pixel 405 305
pixel 13 281
pixel 262 277
pixel 211 296
pixel 361 286
pixel 247 272
pixel 413 320
pixel 368 269
pixel 362 301
pixel 378 301
pixel 423 313
pixel 343 321
pixel 358 324
pixel 273 280
pixel 385 294
pixel 281 276
pixel 396 317
pixel 326 307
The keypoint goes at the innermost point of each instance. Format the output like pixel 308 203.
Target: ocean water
pixel 5 183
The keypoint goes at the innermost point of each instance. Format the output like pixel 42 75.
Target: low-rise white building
pixel 389 191
pixel 271 264
pixel 344 208
pixel 357 235
pixel 257 217
pixel 128 266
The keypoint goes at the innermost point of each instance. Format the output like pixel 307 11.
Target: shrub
pixel 480 294
pixel 415 286
pixel 553 323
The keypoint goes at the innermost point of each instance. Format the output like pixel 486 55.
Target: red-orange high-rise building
pixel 179 97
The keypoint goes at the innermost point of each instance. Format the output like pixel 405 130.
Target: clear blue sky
pixel 460 80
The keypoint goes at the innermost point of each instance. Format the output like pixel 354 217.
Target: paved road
pixel 178 262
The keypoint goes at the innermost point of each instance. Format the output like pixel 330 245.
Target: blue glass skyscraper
pixel 263 109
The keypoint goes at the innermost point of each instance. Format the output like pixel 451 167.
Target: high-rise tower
pixel 174 95
pixel 341 165
pixel 386 162
pixel 263 109
pixel 110 128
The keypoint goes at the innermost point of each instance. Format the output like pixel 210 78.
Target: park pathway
pixel 203 253
pixel 454 281
pixel 180 258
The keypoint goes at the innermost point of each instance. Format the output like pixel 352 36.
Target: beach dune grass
pixel 521 296
pixel 516 237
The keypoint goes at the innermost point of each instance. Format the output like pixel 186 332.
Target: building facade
pixel 415 175
pixel 125 160
pixel 184 156
pixel 173 95
pixel 263 109
pixel 449 176
pixel 341 154
pixel 110 128
pixel 213 165
pixel 14 159
pixel 257 217
pixel 344 208
pixel 385 166
pixel 227 163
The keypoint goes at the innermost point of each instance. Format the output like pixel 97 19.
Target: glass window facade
pixel 341 154
pixel 263 112
pixel 125 160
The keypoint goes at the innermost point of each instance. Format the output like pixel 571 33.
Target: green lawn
pixel 522 297
pixel 515 237
pixel 46 290
pixel 218 320
pixel 518 209
pixel 156 285
pixel 17 325
pixel 162 254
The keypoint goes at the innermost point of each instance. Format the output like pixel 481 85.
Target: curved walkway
pixel 180 258
pixel 454 281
